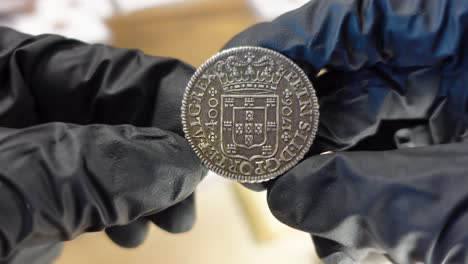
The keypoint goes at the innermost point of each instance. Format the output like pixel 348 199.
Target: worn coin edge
pixel 239 177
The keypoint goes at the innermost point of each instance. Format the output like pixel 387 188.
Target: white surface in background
pixel 79 19
pixel 132 5
pixel 212 180
pixel 270 9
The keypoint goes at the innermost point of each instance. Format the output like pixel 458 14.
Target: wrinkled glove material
pixel 394 109
pixel 90 138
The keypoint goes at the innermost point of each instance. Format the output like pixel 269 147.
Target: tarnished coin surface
pixel 250 114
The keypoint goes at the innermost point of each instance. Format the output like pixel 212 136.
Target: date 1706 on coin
pixel 250 114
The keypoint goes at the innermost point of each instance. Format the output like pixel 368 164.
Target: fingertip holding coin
pixel 250 114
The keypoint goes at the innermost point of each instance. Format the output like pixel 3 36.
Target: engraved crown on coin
pixel 250 73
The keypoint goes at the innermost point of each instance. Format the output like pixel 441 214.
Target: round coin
pixel 250 114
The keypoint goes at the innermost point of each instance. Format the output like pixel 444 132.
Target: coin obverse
pixel 250 114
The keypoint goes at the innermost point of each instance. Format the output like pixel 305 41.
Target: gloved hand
pixel 394 109
pixel 90 138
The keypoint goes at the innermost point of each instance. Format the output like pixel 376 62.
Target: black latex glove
pixel 90 138
pixel 397 78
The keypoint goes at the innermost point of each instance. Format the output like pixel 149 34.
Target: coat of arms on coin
pixel 250 114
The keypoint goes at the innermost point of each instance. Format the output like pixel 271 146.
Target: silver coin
pixel 250 114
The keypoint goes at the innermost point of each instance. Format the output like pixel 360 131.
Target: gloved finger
pixel 372 104
pixel 409 203
pixel 175 219
pixel 349 35
pixel 331 252
pixel 49 78
pixel 60 180
pixel 258 187
pixel 131 235
pixel 178 218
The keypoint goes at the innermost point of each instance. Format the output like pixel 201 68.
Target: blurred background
pixel 234 225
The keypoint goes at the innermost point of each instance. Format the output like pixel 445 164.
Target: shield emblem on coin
pixel 249 125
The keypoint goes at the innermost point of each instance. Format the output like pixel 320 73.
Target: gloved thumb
pixel 59 180
pixel 409 203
